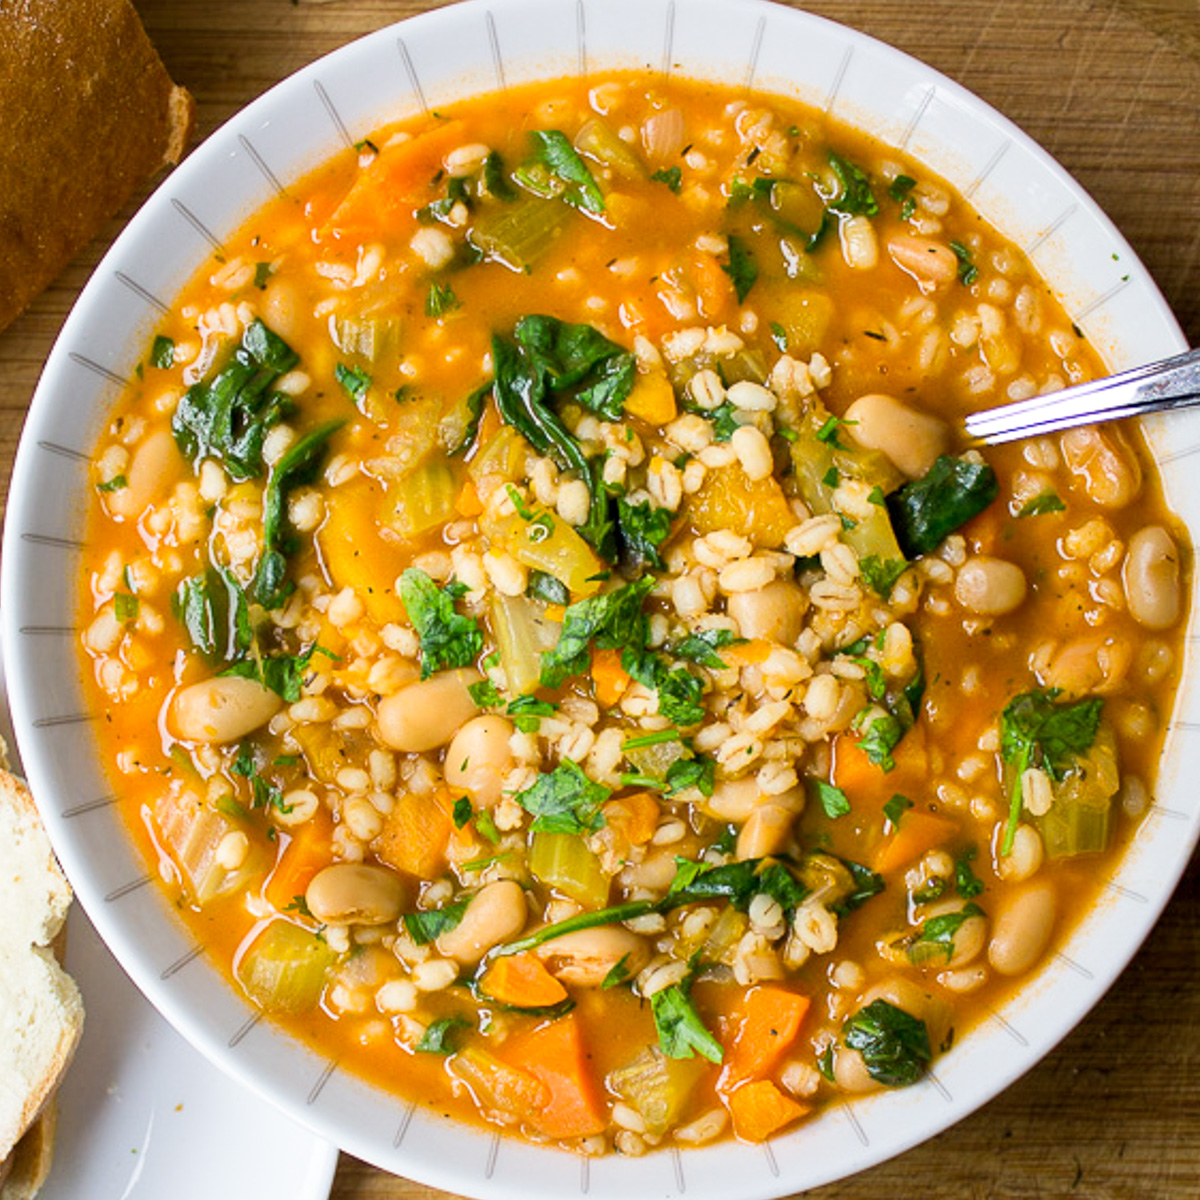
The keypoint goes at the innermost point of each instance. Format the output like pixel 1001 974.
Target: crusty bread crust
pixel 89 112
pixel 41 1012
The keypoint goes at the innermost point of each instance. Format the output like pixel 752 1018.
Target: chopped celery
pixel 563 861
pixel 804 313
pixel 657 1087
pixel 421 500
pixel 193 832
pixel 520 233
pixel 1080 819
pixel 727 931
pixel 523 633
pixel 657 758
pixel 599 141
pixel 285 968
pixel 372 338
pixel 797 204
pixel 496 1086
pixel 323 747
pixel 545 542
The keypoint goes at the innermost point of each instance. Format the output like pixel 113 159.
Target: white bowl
pixel 430 60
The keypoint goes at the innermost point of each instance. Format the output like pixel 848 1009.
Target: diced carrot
pixel 913 835
pixel 985 531
pixel 609 678
pixel 714 288
pixel 310 849
pixel 760 1108
pixel 867 783
pixel 468 503
pixel 521 981
pixel 556 1055
pixel 415 834
pixel 763 1032
pixel 635 817
pixel 386 193
pixel 745 654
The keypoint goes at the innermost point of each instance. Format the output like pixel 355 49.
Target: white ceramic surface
pixel 429 60
pixel 142 1115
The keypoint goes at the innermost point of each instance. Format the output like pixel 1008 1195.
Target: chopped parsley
pixel 565 801
pixel 834 802
pixel 671 176
pixel 741 267
pixel 162 353
pixel 427 925
pixel 968 272
pixel 448 639
pixel 440 299
pixel 1042 503
pixel 354 380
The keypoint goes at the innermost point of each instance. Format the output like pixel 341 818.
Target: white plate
pixel 143 1116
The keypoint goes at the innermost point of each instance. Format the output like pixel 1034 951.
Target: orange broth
pixel 746 266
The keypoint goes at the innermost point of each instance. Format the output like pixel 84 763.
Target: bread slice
pixel 41 1013
pixel 89 113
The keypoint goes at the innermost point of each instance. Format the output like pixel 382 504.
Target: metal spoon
pixel 1157 387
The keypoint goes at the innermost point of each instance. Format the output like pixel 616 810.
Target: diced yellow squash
pixel 652 399
pixel 356 555
pixel 727 499
pixel 543 541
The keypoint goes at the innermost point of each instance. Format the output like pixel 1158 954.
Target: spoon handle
pixel 1157 387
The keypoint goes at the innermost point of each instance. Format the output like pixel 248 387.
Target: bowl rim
pixel 327 1101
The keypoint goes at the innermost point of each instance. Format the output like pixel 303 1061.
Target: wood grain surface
pixel 1112 89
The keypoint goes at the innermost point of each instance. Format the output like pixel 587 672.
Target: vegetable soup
pixel 557 649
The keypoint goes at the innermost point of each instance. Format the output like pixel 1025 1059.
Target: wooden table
pixel 1112 89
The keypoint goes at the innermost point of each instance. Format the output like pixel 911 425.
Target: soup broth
pixel 557 648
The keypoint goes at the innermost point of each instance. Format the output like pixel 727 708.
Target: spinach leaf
pixel 448 639
pixel 935 937
pixel 681 1032
pixel 1037 732
pixel 881 738
pixel 701 647
pixel 855 197
pixel 864 883
pixel 213 610
pixel 162 353
pixel 577 356
pixel 641 529
pixel 522 393
pixel 553 149
pixel 299 465
pixel 926 511
pixel 474 405
pixel 227 416
pixel 548 589
pixel 565 801
pixel 894 1045
pixel 354 380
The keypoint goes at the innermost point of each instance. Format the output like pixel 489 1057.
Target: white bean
pixel 495 914
pixel 427 714
pixel 585 958
pixel 355 894
pixel 1022 929
pixel 775 612
pixel 148 476
pixel 222 709
pixel 990 586
pixel 766 830
pixel 930 263
pixel 1104 463
pixel 1151 578
pixel 912 440
pixel 478 758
